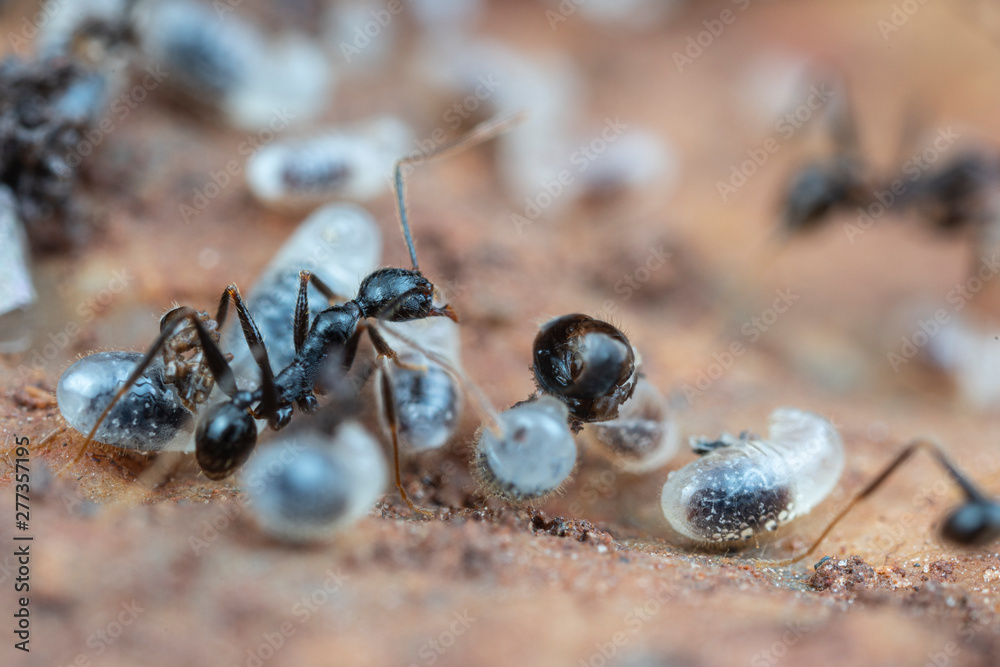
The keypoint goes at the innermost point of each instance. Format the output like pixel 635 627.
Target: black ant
pixel 973 523
pixel 226 433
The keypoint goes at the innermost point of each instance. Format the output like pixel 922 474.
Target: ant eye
pixel 643 437
pixel 748 484
pixel 305 487
pixel 974 523
pixel 586 363
pixel 532 455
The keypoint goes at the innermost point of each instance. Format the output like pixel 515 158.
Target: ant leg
pixel 383 349
pixel 214 359
pixel 389 405
pixel 972 493
pixel 482 132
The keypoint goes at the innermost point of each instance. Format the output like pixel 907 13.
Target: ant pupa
pixel 226 432
pixel 530 453
pixel 353 163
pixel 587 364
pixel 227 63
pixel 643 437
pixel 17 290
pixel 743 486
pixel 428 400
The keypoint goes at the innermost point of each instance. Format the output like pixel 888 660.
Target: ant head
pixel 973 523
pixel 399 295
pixel 224 438
pixel 586 363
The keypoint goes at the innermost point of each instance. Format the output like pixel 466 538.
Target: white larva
pixel 748 485
pixel 350 163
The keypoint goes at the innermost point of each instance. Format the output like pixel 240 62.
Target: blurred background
pixel 661 181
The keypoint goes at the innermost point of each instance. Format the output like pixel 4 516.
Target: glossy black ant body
pixel 226 433
pixel 836 183
pixel 587 364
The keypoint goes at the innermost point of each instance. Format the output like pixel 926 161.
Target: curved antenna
pixel 482 132
pixel 933 448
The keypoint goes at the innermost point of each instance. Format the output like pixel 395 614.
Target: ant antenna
pixel 480 133
pixel 972 493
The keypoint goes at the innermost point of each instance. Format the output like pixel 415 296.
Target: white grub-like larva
pixel 353 163
pixel 744 486
pixel 149 417
pixel 642 15
pixel 306 486
pixel 970 354
pixel 17 291
pixel 225 62
pixel 340 244
pixel 428 399
pixel 531 453
pixel 643 437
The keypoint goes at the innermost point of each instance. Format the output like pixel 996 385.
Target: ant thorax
pixel 340 244
pixel 743 486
